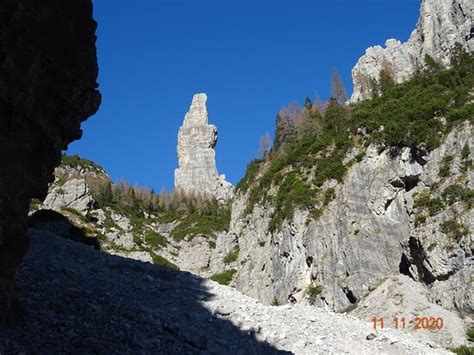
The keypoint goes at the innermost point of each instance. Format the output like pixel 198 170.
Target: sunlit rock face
pixel 197 173
pixel 441 25
pixel 48 72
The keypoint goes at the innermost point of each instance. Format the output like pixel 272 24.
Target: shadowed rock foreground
pixel 81 300
pixel 48 71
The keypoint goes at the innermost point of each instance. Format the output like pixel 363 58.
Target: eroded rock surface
pixel 197 172
pixel 441 25
pixel 48 70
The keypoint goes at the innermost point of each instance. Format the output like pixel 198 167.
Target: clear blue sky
pixel 250 57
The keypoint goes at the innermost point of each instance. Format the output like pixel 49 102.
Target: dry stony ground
pixel 77 300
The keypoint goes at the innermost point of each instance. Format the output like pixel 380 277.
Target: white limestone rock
pixel 197 173
pixel 122 234
pixel 441 25
pixel 401 297
pixel 74 194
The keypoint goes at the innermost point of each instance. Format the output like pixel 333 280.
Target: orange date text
pixel 430 323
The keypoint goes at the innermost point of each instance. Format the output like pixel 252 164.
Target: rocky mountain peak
pixel 197 172
pixel 442 25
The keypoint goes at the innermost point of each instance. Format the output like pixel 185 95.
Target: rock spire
pixel 197 172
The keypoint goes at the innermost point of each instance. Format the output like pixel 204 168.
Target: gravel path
pixel 78 300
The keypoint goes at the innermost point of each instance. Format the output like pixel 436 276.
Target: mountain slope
pixel 358 194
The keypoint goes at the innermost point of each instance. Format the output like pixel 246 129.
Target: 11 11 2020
pixel 430 323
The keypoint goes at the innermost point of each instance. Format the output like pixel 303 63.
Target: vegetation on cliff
pixel 137 211
pixel 312 142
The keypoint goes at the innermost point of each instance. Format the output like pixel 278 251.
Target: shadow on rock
pixel 56 223
pixel 83 301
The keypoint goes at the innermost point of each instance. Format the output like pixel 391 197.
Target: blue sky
pixel 250 57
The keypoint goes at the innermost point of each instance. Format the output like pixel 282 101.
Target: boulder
pixel 74 194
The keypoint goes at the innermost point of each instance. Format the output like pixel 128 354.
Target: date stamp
pixel 417 323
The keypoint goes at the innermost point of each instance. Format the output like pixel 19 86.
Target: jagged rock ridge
pixel 442 24
pixel 197 172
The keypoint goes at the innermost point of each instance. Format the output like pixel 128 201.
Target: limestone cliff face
pixel 441 25
pixel 197 172
pixel 48 71
pixel 365 235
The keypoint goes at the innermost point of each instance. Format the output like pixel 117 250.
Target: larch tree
pixel 265 144
pixel 338 91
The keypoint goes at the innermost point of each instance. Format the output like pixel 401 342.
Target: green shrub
pixel 137 240
pixel 433 205
pixel 35 205
pixel 329 195
pixel 250 174
pixel 224 278
pixel 196 224
pixel 465 152
pixel 456 193
pixel 313 292
pixel 275 302
pixel 77 161
pixel 407 110
pixel 420 218
pixel 454 229
pixel 232 256
pixel 445 168
pixel 159 260
pixel 432 246
pixel 463 350
pixel 155 240
pixel 74 212
pixel 306 155
pixel 110 224
pixel 292 193
pixel 470 334
pixel 466 163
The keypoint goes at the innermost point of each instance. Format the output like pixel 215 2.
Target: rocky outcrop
pixel 369 232
pixel 441 25
pixel 197 172
pixel 74 194
pixel 48 71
